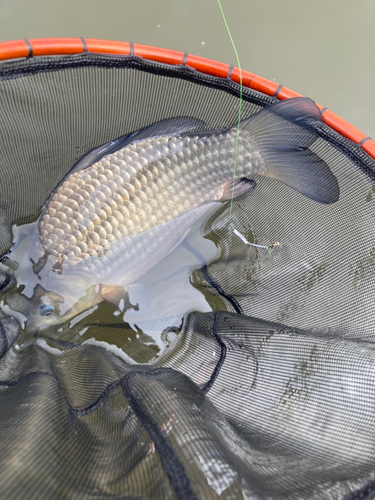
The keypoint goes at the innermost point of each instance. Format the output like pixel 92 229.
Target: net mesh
pixel 250 375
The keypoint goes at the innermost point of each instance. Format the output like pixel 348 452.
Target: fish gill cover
pixel 147 349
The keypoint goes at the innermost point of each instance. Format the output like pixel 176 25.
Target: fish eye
pixel 46 310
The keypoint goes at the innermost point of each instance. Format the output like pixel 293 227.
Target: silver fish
pixel 127 204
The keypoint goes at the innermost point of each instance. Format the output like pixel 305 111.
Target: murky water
pixel 319 49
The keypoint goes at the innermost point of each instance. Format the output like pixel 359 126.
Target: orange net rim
pixel 70 46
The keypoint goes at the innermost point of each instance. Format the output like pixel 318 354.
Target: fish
pixel 127 204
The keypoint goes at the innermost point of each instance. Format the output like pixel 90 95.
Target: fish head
pixel 55 299
pixel 43 309
pixel 47 308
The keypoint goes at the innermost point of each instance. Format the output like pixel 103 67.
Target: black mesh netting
pixel 247 374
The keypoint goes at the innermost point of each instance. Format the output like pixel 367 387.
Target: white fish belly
pixel 130 258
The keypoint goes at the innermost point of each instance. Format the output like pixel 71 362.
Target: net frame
pixel 72 46
pixel 360 145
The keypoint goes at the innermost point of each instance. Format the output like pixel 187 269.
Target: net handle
pixel 70 46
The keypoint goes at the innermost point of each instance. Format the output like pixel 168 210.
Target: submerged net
pixel 248 374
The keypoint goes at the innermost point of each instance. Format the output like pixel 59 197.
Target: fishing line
pixel 236 143
pixel 239 112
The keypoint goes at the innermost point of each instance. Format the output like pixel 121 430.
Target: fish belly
pixel 131 257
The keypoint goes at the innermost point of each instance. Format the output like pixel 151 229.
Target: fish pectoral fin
pixel 114 294
pixel 237 188
pixel 124 298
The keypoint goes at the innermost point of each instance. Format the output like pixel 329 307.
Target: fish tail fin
pixel 283 132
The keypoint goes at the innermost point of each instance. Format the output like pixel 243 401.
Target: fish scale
pixel 112 221
pixel 141 186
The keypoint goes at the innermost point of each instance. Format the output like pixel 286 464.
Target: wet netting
pixel 235 371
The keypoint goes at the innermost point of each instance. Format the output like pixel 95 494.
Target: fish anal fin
pixel 237 188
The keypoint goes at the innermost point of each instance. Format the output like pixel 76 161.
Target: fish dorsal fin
pixel 284 132
pixel 169 126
